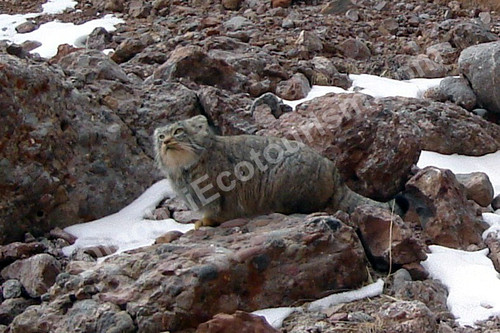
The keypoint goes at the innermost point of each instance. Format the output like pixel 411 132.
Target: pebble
pixel 11 289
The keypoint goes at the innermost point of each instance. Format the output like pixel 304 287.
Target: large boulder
pixel 270 261
pixel 388 241
pixel 437 202
pixel 375 142
pixel 480 64
pixel 37 274
pixel 64 158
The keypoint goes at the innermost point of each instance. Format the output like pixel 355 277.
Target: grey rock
pixel 430 292
pixel 13 307
pixel 353 15
pixel 407 316
pixel 37 274
pixel 91 65
pixel 459 92
pixel 26 27
pixel 481 66
pixel 465 34
pixel 337 7
pixel 98 39
pixel 400 277
pixel 238 23
pixel 11 289
pixel 495 204
pixel 478 187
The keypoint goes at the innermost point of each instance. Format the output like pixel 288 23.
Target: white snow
pixel 128 229
pixel 384 87
pixel 374 86
pixel 275 316
pixel 52 34
pixel 472 282
pixel 371 290
pixel 57 6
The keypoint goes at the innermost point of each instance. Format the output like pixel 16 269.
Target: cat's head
pixel 180 143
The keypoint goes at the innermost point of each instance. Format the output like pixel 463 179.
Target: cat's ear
pixel 199 122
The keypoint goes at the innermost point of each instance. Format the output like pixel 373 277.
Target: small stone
pixel 169 237
pixel 458 91
pixel 485 17
pixel 495 204
pixel 391 25
pixel 360 317
pixel 238 23
pixel 11 289
pixel 337 7
pixel 240 321
pixel 295 88
pixel 309 41
pixel 288 24
pixel 59 233
pixel 127 50
pixel 26 27
pixel 381 5
pixel 353 15
pixel 355 49
pixel 231 4
pixel 281 3
pixel 399 278
pixel 478 187
pixel 37 274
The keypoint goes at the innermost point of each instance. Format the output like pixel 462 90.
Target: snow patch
pixel 371 290
pixel 57 6
pixel 52 34
pixel 128 229
pixel 472 282
pixel 276 316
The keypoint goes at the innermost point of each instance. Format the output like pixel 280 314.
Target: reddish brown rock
pixel 355 49
pixel 17 250
pixel 296 87
pixel 281 3
pixel 355 131
pixel 437 202
pixel 375 142
pixel 270 261
pixel 388 241
pixel 240 321
pixel 127 49
pixel 419 66
pixel 191 62
pixel 226 111
pixel 37 274
pixel 478 187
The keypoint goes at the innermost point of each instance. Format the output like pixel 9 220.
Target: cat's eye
pixel 161 136
pixel 178 131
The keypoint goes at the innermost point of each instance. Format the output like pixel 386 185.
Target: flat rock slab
pixel 271 261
